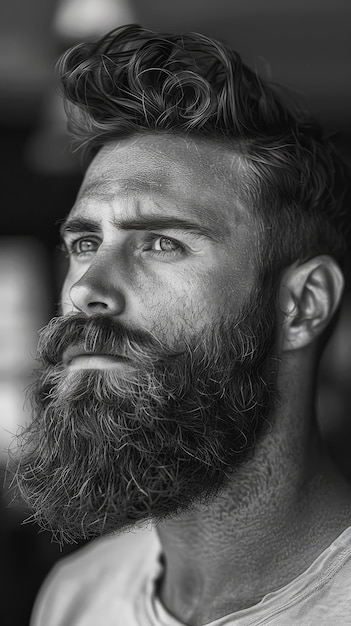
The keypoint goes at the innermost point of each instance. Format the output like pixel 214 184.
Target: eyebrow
pixel 160 222
pixel 78 225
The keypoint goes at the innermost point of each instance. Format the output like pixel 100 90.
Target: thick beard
pixel 106 450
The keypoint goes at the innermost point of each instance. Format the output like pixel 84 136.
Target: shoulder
pixel 320 595
pixel 93 574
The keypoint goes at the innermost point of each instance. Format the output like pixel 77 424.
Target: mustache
pixel 99 334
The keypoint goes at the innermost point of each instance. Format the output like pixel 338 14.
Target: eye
pixel 166 244
pixel 81 247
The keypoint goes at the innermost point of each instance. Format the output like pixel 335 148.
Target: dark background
pixel 304 44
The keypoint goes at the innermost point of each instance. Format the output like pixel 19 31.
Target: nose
pixel 95 294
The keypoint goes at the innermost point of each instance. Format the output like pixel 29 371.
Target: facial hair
pixel 107 449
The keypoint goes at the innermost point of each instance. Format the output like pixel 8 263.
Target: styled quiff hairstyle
pixel 134 80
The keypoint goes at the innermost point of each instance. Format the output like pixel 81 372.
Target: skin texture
pixel 125 277
pixel 286 504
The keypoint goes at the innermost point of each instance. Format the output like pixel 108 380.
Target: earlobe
pixel 310 293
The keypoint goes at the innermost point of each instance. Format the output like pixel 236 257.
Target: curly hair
pixel 134 80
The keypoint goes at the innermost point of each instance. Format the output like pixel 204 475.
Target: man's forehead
pixel 192 175
pixel 107 185
pixel 158 161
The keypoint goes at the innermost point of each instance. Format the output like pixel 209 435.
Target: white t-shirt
pixel 111 582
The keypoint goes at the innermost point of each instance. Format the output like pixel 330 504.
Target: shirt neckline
pixel 314 577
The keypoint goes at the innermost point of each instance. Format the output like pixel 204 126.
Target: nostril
pixel 97 296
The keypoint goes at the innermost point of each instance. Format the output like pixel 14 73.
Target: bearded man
pixel 206 249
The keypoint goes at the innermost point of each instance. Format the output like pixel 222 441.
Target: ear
pixel 309 295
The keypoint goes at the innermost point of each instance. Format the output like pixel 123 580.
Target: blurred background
pixel 303 44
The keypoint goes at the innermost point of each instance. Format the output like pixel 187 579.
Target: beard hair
pixel 108 449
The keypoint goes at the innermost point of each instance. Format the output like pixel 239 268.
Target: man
pixel 205 250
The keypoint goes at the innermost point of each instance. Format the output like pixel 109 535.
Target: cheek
pixel 235 276
pixel 189 303
pixel 165 305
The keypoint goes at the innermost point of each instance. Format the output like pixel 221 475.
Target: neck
pixel 287 500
